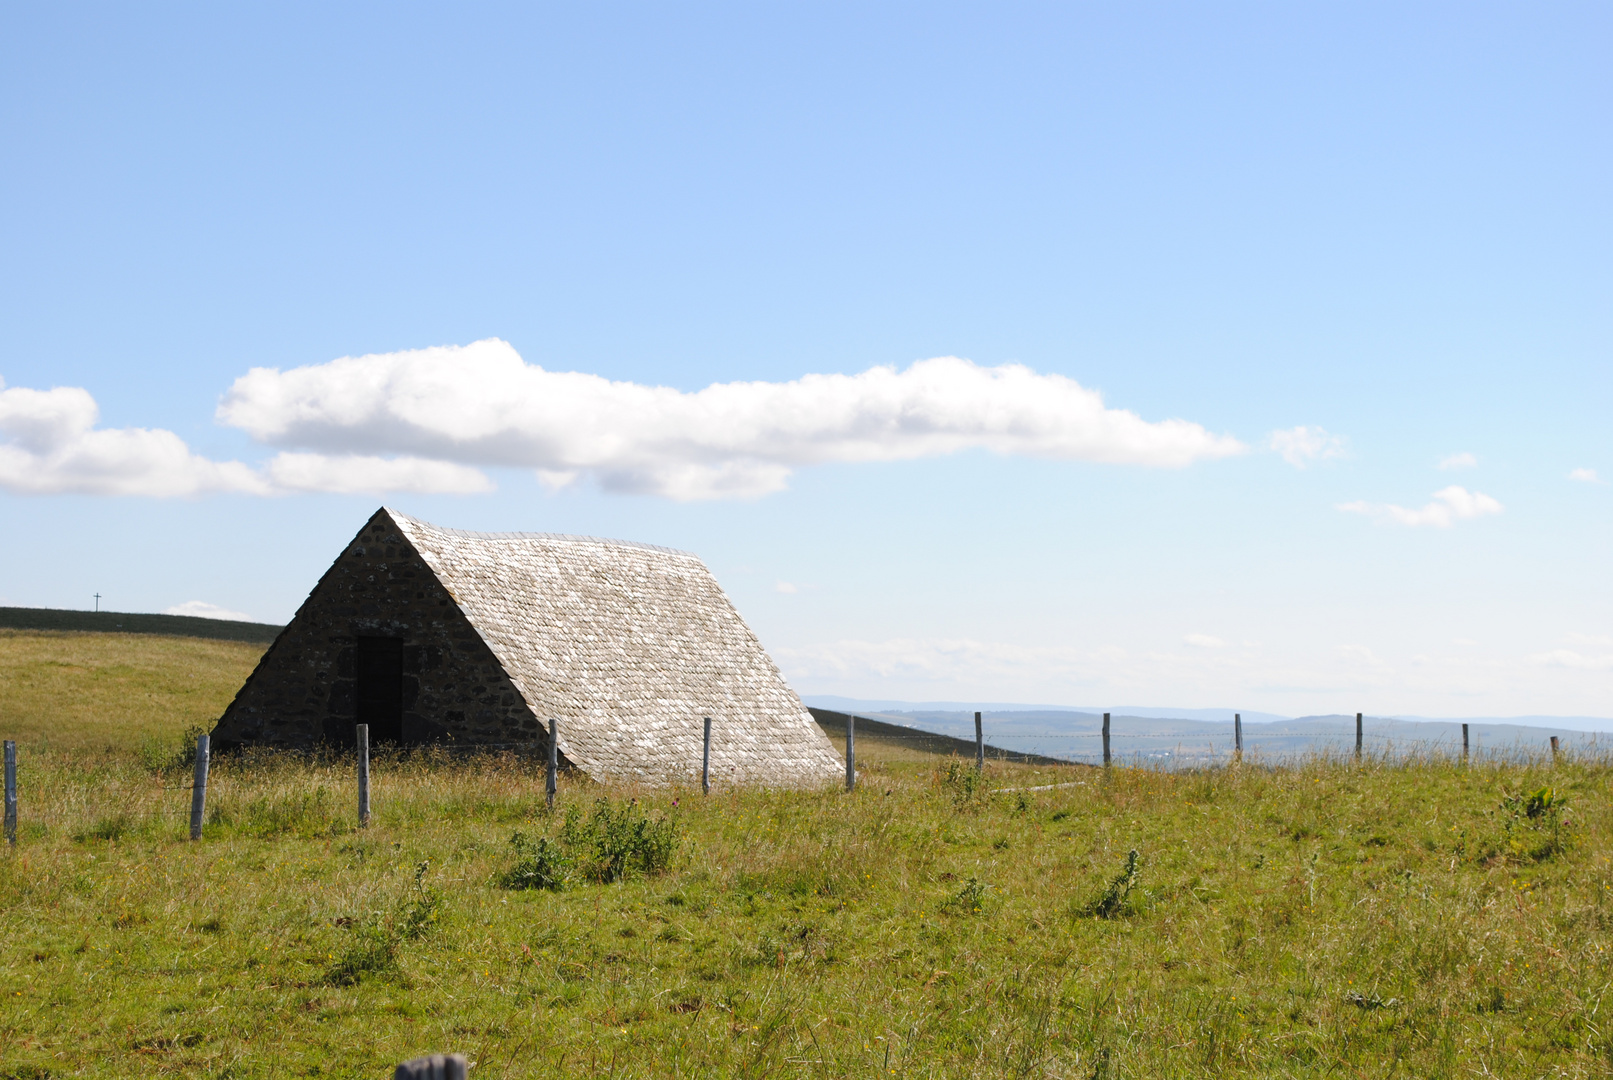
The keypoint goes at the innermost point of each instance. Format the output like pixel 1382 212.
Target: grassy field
pixel 66 690
pixel 1330 919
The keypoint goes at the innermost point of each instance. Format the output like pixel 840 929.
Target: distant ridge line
pixel 1023 710
pixel 125 622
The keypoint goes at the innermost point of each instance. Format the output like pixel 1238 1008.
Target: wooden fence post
pixel 1554 749
pixel 11 792
pixel 198 785
pixel 1464 742
pixel 980 745
pixel 1106 740
pixel 851 752
pixel 1358 736
pixel 363 776
pixel 552 783
pixel 705 762
pixel 1237 735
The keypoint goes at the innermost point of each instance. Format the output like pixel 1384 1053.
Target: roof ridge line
pixel 567 537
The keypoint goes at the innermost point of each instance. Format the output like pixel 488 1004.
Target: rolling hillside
pixel 73 689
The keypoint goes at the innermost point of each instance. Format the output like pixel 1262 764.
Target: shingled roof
pixel 482 638
pixel 630 645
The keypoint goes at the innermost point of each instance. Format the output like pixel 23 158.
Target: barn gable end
pixel 303 691
pixel 629 645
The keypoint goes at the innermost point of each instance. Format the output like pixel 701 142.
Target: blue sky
pixel 1384 224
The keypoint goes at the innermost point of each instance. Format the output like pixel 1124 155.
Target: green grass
pixel 1413 918
pixel 68 690
pixel 1325 919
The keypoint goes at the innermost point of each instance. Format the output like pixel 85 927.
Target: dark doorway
pixel 380 688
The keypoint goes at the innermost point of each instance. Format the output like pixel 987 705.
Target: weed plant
pixel 540 863
pixel 1116 900
pixel 373 949
pixel 613 842
pixel 604 846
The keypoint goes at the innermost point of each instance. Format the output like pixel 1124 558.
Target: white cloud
pixel 482 405
pixel 944 661
pixel 201 609
pixel 1362 657
pixel 1302 445
pixel 423 421
pixel 1581 658
pixel 1449 505
pixel 49 444
pixel 1004 670
pixel 1568 658
pixel 357 474
pixel 961 668
pixel 785 587
pixel 1585 476
pixel 1204 641
pixel 1464 460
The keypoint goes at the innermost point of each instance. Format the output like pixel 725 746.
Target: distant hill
pixel 122 622
pixel 919 741
pixel 859 705
pixel 1165 741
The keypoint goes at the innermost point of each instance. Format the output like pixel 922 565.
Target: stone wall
pixel 303 691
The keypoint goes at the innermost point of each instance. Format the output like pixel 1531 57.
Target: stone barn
pixel 433 635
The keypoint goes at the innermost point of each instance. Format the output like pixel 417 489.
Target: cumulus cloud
pixel 964 667
pixel 1464 460
pixel 201 609
pixel 363 474
pixel 1449 505
pixel 1204 641
pixel 482 405
pixel 1581 658
pixel 943 660
pixel 1360 656
pixel 1302 445
pixel 49 444
pixel 1568 658
pixel 785 587
pixel 1585 476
